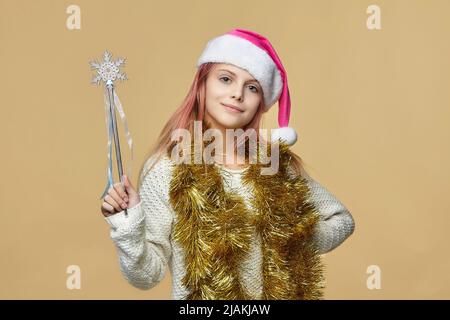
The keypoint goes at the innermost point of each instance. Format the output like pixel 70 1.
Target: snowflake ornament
pixel 108 70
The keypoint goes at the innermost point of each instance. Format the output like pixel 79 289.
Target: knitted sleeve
pixel 336 223
pixel 142 239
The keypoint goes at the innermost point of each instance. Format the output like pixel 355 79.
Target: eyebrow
pixel 234 74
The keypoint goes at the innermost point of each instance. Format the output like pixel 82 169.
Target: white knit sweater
pixel 145 246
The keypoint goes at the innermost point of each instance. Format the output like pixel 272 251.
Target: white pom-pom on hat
pixel 286 134
pixel 254 53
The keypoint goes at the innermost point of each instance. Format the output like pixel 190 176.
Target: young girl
pixel 226 230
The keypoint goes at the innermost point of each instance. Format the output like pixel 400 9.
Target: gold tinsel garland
pixel 215 229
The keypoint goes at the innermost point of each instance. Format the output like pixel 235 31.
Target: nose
pixel 237 94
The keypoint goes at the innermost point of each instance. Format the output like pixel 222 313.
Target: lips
pixel 232 107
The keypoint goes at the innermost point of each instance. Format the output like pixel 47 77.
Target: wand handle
pixel 110 88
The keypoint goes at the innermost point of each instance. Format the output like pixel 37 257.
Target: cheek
pixel 213 99
pixel 214 90
pixel 254 103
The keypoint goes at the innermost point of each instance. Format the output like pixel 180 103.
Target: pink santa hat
pixel 254 53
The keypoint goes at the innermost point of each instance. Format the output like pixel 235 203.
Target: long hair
pixel 193 109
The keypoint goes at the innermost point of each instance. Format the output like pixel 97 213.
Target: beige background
pixel 371 108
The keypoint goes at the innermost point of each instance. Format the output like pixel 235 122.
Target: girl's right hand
pixel 118 199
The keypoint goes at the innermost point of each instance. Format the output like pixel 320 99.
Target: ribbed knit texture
pixel 145 247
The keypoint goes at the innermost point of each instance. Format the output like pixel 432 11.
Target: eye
pixel 224 78
pixel 256 89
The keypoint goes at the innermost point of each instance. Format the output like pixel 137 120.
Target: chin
pixel 230 124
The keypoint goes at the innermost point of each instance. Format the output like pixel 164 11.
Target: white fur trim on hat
pixel 288 134
pixel 244 54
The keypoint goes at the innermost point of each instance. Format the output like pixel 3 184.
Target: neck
pixel 227 152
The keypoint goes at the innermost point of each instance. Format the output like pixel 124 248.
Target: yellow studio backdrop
pixel 371 106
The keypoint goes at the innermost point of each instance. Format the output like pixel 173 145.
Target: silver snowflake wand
pixel 108 71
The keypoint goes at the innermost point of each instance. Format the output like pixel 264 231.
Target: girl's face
pixel 227 84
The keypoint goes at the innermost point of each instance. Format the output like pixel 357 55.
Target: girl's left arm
pixel 336 223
